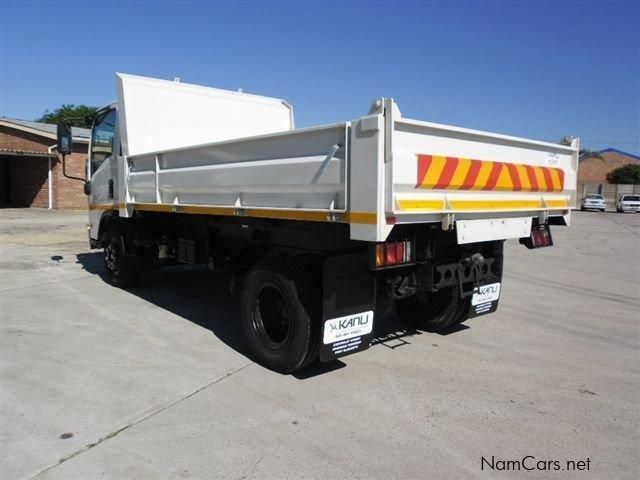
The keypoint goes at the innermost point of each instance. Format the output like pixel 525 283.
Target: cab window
pixel 104 129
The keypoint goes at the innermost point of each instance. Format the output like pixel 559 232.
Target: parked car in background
pixel 628 203
pixel 593 201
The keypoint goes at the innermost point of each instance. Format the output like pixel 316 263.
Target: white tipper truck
pixel 325 228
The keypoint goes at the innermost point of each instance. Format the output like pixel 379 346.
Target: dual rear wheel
pixel 434 311
pixel 281 315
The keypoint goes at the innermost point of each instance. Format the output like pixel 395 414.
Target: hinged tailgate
pixel 436 169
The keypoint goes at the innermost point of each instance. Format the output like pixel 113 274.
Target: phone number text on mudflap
pixel 531 463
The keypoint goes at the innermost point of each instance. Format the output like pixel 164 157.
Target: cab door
pixel 101 167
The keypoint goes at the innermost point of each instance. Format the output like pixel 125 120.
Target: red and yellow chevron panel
pixel 452 173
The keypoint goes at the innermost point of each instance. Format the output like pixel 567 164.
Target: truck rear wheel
pixel 122 269
pixel 434 311
pixel 280 316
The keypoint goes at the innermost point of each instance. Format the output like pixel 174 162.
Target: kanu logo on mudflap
pixel 351 326
pixel 486 293
pixel 349 323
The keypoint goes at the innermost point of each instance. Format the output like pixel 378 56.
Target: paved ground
pixel 155 383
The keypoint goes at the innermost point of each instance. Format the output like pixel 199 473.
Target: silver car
pixel 628 203
pixel 593 201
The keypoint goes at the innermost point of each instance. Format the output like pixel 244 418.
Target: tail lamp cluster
pixel 394 253
pixel 540 237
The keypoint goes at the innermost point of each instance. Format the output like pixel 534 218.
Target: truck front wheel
pixel 280 316
pixel 122 269
pixel 434 311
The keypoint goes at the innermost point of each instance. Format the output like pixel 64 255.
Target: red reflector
pixel 391 253
pixel 391 220
pixel 400 252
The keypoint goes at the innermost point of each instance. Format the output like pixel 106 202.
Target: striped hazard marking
pixel 452 173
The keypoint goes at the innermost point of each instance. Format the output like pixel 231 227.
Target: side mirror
pixel 65 139
pixel 65 147
pixel 87 188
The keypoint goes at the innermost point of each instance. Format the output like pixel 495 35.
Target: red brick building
pixel 593 170
pixel 30 171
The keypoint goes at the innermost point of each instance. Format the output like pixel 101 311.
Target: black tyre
pixel 434 311
pixel 122 268
pixel 280 315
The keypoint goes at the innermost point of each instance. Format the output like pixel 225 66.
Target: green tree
pixel 629 174
pixel 72 115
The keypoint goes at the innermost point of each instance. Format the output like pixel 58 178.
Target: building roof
pixel 45 129
pixel 615 150
pixel 25 153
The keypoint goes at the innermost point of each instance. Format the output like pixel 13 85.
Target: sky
pixel 536 69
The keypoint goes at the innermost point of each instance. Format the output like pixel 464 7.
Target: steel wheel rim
pixel 271 316
pixel 112 256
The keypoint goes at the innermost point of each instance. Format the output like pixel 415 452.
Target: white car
pixel 628 203
pixel 593 201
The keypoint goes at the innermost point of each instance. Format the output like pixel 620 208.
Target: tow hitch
pixel 475 269
pixel 475 262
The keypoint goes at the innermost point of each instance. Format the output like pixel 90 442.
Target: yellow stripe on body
pixel 416 205
pixel 303 215
pixel 556 203
pixel 420 205
pixel 494 204
pixel 366 218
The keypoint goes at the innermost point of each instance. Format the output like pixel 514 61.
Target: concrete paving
pixel 97 382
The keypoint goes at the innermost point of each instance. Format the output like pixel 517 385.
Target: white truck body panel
pixel 157 115
pixel 369 172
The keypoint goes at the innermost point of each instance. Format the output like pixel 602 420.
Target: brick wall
pixel 28 176
pixel 70 193
pixel 13 139
pixel 594 170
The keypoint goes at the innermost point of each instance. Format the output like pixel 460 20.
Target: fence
pixel 610 192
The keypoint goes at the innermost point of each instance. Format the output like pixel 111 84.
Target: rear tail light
pixel 400 252
pixel 540 237
pixel 391 257
pixel 394 253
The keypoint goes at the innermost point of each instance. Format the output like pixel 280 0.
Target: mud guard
pixel 348 305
